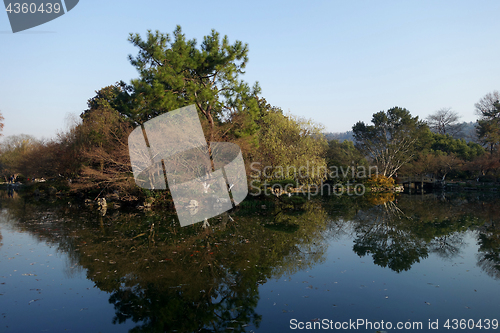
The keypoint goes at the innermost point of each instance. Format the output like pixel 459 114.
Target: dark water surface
pixel 346 263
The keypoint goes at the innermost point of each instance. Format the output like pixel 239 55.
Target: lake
pixel 372 263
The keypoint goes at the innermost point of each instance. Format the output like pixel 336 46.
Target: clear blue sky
pixel 335 62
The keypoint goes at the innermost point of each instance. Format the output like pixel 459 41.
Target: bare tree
pixel 445 121
pixel 486 104
pixel 13 149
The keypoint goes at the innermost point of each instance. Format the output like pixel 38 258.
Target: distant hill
pixel 468 133
pixel 349 135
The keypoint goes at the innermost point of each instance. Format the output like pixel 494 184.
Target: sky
pixel 335 62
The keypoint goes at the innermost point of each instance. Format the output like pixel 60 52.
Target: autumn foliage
pixel 381 182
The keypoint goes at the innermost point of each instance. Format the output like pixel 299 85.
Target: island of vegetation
pixel 91 160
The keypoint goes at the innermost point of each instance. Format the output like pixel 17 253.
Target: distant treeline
pixel 468 133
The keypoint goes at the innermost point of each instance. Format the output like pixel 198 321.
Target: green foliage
pixel 105 98
pixel 448 145
pixel 290 148
pixel 344 154
pixel 174 73
pixel 282 182
pixel 488 129
pixel 283 227
pixel 442 155
pixel 488 132
pixel 392 140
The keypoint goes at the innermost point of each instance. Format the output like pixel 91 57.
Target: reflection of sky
pixel 39 290
pixel 346 286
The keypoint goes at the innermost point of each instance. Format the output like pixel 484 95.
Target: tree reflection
pixel 383 231
pixel 208 279
pixel 167 278
pixel 399 232
pixel 488 257
pixel 447 246
pixel 162 310
pixel 489 254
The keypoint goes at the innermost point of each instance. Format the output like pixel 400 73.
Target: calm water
pixel 404 260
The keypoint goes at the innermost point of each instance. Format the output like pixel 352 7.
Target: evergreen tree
pixel 174 72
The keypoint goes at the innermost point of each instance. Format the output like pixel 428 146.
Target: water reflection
pixel 386 232
pixel 488 257
pixel 166 278
pixel 399 233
